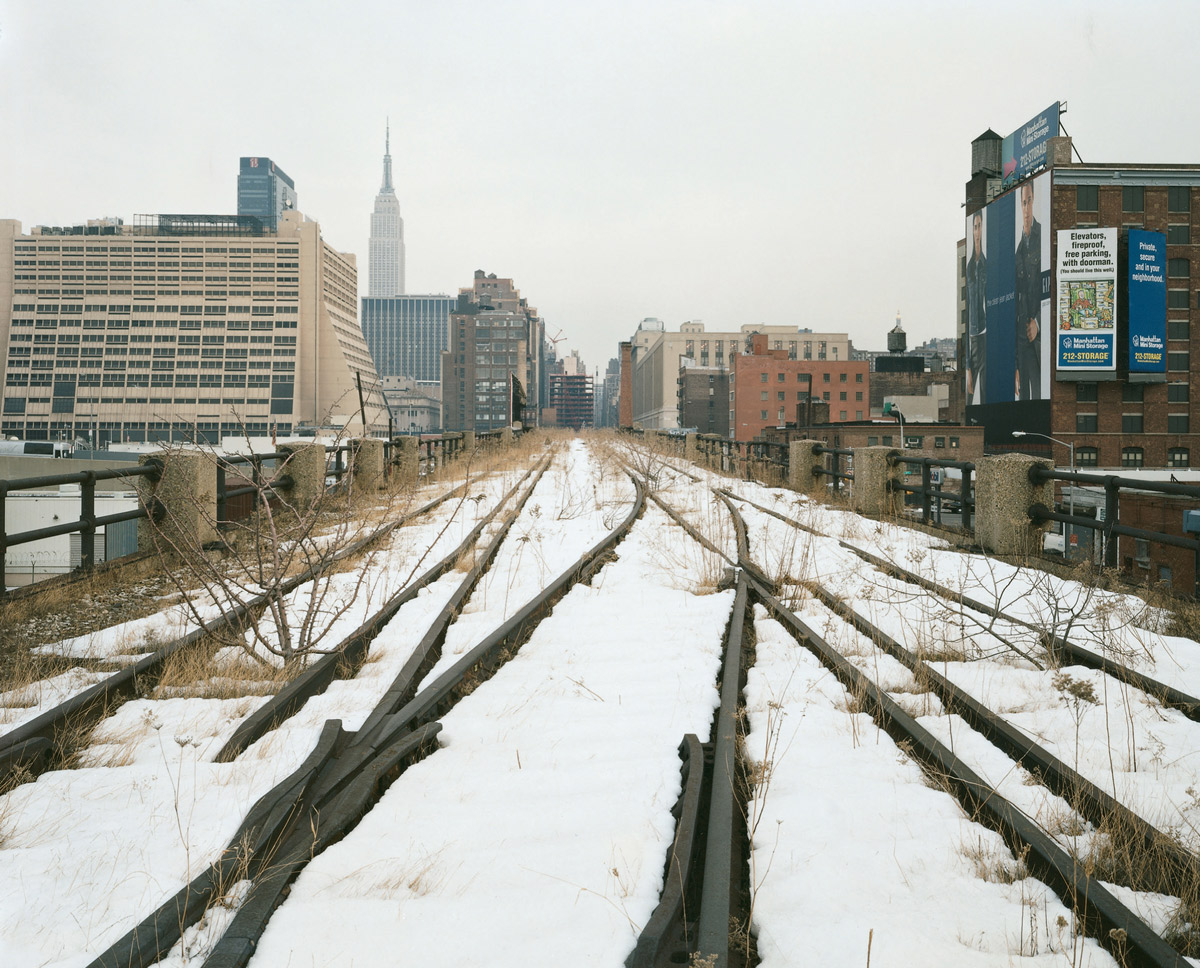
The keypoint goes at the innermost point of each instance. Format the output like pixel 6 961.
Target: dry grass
pixel 210 672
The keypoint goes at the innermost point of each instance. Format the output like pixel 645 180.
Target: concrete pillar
pixel 1003 497
pixel 803 463
pixel 306 467
pixel 506 437
pixel 873 476
pixel 366 465
pixel 406 454
pixel 188 491
pixel 691 448
pixel 467 444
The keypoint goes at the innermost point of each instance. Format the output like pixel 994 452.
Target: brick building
pixel 767 388
pixel 704 399
pixel 1116 414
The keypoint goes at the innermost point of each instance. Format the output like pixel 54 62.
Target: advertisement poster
pixel 1147 290
pixel 1087 299
pixel 1008 297
pixel 1024 150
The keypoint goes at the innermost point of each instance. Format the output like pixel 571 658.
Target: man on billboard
pixel 1029 301
pixel 976 313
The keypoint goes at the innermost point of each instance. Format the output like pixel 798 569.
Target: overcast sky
pixel 779 163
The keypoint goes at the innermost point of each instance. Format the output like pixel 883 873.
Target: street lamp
pixel 891 410
pixel 1071 493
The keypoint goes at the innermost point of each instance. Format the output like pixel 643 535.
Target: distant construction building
pixel 180 327
pixel 264 190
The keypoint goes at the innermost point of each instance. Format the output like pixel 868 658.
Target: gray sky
pixel 780 163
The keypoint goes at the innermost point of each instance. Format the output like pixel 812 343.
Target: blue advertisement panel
pixel 1025 149
pixel 1147 283
pixel 1087 299
pixel 1008 297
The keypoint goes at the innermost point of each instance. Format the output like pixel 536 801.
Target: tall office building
pixel 386 248
pixel 180 327
pixel 492 373
pixel 264 190
pixel 408 334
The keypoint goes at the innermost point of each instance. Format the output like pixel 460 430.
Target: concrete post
pixel 1003 497
pixel 188 491
pixel 873 477
pixel 803 464
pixel 406 454
pixel 691 448
pixel 366 465
pixel 467 444
pixel 306 467
pixel 506 437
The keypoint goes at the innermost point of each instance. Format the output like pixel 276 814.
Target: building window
pixel 887 440
pixel 1177 299
pixel 763 395
pixel 858 396
pixel 858 378
pixel 1131 393
pixel 762 415
pixel 1179 198
pixel 1133 198
pixel 939 441
pixel 1177 362
pixel 781 377
pixel 825 378
pixel 842 414
pixel 842 395
pixel 1085 392
pixel 1087 198
pixel 1086 456
pixel 1177 393
pixel 954 443
pixel 1177 329
pixel 1178 268
pixel 780 394
pixel 1131 423
pixel 872 441
pixel 858 415
pixel 1177 423
pixel 762 378
pixel 842 377
pixel 1179 234
pixel 1132 457
pixel 1085 423
pixel 1178 457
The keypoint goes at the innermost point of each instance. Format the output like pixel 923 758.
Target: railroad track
pixel 349 770
pixel 1098 910
pixel 30 748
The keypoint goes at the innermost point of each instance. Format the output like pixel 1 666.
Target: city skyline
pixel 746 163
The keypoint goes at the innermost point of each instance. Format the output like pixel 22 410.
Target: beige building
pixel 657 356
pixel 180 327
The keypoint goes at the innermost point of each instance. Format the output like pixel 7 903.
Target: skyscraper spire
pixel 387 160
pixel 386 248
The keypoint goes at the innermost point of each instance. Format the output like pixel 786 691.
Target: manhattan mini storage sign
pixel 1147 284
pixel 1087 299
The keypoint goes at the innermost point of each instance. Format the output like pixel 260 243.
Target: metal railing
pixel 932 499
pixel 88 521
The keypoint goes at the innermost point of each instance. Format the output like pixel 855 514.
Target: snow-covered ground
pixel 543 820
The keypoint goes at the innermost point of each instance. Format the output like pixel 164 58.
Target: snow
pixel 537 833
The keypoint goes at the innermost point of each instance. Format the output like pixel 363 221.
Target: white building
pixel 386 248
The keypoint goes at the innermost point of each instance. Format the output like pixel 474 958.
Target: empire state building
pixel 386 251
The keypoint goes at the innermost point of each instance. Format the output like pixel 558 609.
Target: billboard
pixel 1024 150
pixel 1008 297
pixel 1087 299
pixel 1147 289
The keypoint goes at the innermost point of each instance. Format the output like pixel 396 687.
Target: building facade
pixel 571 399
pixel 385 252
pixel 767 388
pixel 416 408
pixel 408 334
pixel 1120 405
pixel 704 399
pixel 657 356
pixel 264 190
pixel 180 327
pixel 492 373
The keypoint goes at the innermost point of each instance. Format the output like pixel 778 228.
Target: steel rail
pixel 1167 695
pixel 26 750
pixel 351 651
pixel 1105 918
